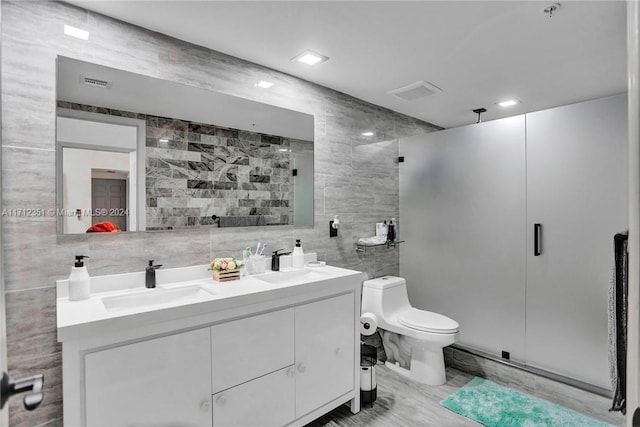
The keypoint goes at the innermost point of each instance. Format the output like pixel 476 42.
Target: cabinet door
pixel 577 190
pixel 160 382
pixel 268 401
pixel 324 332
pixel 248 348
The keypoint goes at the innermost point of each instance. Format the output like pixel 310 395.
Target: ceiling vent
pixel 104 84
pixel 415 91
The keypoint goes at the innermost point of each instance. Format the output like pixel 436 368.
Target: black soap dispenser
pixel 391 233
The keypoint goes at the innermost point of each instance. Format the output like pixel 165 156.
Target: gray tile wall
pixel 355 177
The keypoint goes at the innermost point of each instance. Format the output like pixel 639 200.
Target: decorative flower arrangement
pixel 225 264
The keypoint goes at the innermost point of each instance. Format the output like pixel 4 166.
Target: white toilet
pixel 424 332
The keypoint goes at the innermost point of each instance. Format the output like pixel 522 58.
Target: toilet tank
pixel 385 296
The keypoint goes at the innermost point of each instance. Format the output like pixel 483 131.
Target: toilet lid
pixel 428 322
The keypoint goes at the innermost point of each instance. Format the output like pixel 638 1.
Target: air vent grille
pixel 89 81
pixel 415 91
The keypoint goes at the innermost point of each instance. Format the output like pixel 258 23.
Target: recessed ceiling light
pixel 264 85
pixel 76 32
pixel 508 103
pixel 309 57
pixel 367 133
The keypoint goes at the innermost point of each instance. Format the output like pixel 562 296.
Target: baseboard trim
pixel 536 371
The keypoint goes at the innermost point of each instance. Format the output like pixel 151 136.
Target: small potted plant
pixel 225 269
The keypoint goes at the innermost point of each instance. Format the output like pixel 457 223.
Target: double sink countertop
pixel 122 301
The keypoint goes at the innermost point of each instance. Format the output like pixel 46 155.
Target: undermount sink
pixel 157 296
pixel 287 277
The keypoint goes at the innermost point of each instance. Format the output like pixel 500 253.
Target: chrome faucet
pixel 150 277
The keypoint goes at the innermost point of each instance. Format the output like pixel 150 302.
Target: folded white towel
pixel 374 240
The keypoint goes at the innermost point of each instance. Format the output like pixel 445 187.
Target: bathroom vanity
pixel 276 349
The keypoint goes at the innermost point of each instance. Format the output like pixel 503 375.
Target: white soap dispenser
pixel 79 280
pixel 297 258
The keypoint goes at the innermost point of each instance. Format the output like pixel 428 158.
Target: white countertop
pixel 83 318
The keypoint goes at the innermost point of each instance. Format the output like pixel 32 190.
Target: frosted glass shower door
pixel 462 216
pixel 577 193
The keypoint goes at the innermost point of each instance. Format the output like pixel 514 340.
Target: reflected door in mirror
pixel 109 202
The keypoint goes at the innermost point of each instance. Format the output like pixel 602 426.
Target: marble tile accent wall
pixel 355 177
pixel 197 170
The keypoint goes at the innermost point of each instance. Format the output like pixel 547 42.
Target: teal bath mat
pixel 496 406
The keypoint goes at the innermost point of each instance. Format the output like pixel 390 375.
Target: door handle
pixel 31 385
pixel 537 239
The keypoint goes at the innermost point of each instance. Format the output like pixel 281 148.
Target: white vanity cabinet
pixel 162 381
pixel 287 363
pixel 279 357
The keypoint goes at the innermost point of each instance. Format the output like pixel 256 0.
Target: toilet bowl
pixel 423 332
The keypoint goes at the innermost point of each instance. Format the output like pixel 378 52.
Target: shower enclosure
pixel 509 229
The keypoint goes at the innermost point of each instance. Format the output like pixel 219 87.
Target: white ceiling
pixel 477 52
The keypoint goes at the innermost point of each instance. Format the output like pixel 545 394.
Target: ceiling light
pixel 310 58
pixel 367 133
pixel 76 32
pixel 508 103
pixel 163 140
pixel 264 85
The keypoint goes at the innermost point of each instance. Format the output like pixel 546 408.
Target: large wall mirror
pixel 138 153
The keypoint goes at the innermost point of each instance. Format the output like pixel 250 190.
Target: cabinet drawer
pixel 266 401
pixel 248 348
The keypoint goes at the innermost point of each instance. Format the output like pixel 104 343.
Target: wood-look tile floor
pixel 402 402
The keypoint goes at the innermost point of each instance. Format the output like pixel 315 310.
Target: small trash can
pixel 368 386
